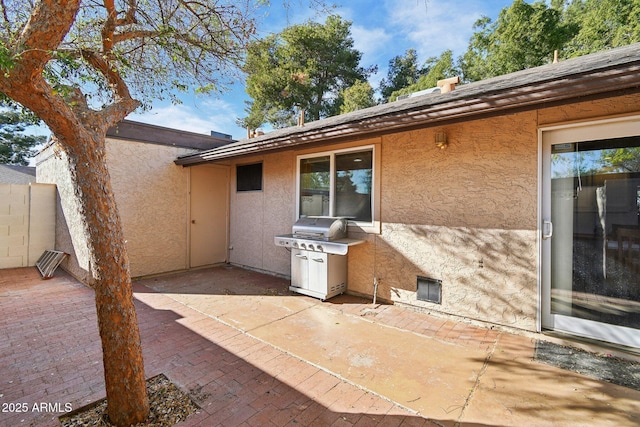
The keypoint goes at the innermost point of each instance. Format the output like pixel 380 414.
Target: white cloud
pixel 434 26
pixel 380 30
pixel 203 117
pixel 389 28
pixel 372 42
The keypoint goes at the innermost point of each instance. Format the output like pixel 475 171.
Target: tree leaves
pixel 434 69
pixel 356 97
pixel 403 72
pixel 16 148
pixel 603 24
pixel 526 35
pixel 304 68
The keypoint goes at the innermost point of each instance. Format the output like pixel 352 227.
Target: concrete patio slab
pixel 448 372
pixel 519 390
pixel 240 298
pixel 430 377
pixel 51 360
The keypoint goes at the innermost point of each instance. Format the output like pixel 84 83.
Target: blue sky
pixel 381 30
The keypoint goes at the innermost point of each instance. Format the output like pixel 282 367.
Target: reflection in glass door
pixel 592 239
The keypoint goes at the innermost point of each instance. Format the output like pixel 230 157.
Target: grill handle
pixel 301 256
pixel 317 259
pixel 308 235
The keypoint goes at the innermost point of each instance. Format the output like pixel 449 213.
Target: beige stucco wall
pixel 27 223
pixel 257 216
pixel 70 235
pixel 466 215
pixel 594 110
pixel 151 193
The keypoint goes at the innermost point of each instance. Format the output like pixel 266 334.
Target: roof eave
pixel 598 83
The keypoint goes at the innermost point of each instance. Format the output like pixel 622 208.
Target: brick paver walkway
pixel 50 360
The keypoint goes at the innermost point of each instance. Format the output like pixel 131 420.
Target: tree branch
pixel 48 25
pixel 123 102
pixel 23 80
pixel 112 22
pixel 132 35
pixel 130 15
pixel 4 12
pixel 109 27
pixel 110 73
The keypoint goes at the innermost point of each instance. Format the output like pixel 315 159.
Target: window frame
pixel 365 225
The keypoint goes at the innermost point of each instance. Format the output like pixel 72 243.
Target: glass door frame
pixel 616 127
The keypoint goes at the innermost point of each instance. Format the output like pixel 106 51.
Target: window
pixel 249 177
pixel 339 183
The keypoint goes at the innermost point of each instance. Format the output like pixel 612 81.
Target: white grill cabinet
pixel 318 274
pixel 319 249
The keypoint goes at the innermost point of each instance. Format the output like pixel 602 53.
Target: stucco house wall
pixel 51 167
pixel 257 216
pixel 151 194
pixel 466 215
pixel 152 200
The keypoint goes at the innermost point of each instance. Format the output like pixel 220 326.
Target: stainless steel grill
pixel 321 228
pixel 318 234
pixel 319 246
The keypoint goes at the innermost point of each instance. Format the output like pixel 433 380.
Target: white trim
pixel 332 155
pixel 622 335
pixel 541 192
pixel 581 131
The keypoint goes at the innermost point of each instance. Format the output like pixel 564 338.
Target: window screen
pixel 353 173
pixel 249 177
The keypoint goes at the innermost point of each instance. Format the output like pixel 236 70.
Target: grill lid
pixel 320 227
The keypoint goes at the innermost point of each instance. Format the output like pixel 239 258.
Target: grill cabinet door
pixel 300 268
pixel 327 274
pixel 318 272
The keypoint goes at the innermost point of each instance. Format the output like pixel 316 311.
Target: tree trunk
pixel 84 143
pixel 122 353
pixel 80 130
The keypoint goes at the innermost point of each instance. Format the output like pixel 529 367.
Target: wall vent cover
pixel 429 290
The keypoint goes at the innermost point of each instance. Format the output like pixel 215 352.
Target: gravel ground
pixel 601 367
pixel 168 405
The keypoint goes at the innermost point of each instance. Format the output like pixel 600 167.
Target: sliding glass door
pixel 591 231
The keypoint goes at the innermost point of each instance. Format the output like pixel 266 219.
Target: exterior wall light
pixel 441 140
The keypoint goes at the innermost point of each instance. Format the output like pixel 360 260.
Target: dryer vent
pixel 429 290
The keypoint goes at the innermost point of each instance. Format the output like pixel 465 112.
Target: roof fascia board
pixel 129 130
